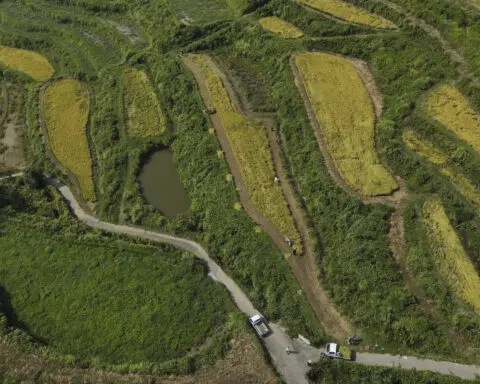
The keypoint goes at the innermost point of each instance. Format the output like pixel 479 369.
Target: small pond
pixel 161 185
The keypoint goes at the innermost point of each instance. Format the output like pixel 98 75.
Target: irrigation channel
pixel 291 367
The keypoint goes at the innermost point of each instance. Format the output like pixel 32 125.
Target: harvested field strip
pixel 280 27
pixel 252 153
pixel 349 13
pixel 450 108
pixel 31 63
pixel 345 113
pixel 427 150
pixel 66 106
pixel 144 115
pixel 450 256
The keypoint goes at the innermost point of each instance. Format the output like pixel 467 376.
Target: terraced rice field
pixel 144 114
pixel 201 11
pixel 280 27
pixel 450 108
pixel 30 63
pixel 344 111
pixel 348 13
pixel 252 153
pixel 66 107
pixel 428 151
pixel 450 257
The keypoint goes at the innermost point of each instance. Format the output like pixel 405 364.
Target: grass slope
pixel 66 108
pixel 348 12
pixel 345 114
pixel 450 108
pixel 144 115
pixel 31 63
pixel 451 259
pixel 101 299
pixel 280 27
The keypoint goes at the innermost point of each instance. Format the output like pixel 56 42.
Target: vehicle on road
pixel 260 325
pixel 336 351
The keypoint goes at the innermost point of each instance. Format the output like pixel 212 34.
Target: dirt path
pixel 396 200
pixel 4 111
pixel 304 267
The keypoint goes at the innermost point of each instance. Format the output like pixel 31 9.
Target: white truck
pixel 260 325
pixel 335 351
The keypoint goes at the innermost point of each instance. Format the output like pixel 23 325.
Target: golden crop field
pixel 251 150
pixel 450 108
pixel 31 63
pixel 450 257
pixel 66 106
pixel 428 151
pixel 144 114
pixel 349 13
pixel 280 27
pixel 344 111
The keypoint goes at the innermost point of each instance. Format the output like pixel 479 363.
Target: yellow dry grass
pixel 450 257
pixel 30 63
pixel 346 117
pixel 349 13
pixel 66 106
pixel 280 27
pixel 144 115
pixel 252 153
pixel 450 108
pixel 427 150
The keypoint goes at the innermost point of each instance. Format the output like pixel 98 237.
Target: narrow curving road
pixel 293 367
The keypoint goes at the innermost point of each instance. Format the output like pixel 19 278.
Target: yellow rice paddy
pixel 66 106
pixel 450 257
pixel 280 27
pixel 450 108
pixel 348 12
pixel 30 63
pixel 251 150
pixel 144 115
pixel 345 113
pixel 428 151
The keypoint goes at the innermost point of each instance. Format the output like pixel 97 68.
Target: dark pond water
pixel 161 185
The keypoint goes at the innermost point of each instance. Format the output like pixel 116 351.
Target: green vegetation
pixel 100 299
pixel 342 372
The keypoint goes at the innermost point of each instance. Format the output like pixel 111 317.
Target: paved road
pixel 291 367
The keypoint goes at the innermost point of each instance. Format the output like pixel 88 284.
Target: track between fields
pixel 304 267
pixel 293 367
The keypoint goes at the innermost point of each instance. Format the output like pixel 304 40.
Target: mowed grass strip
pixel 280 27
pixel 450 108
pixel 450 257
pixel 348 13
pixel 66 107
pixel 105 300
pixel 252 153
pixel 346 117
pixel 30 63
pixel 144 114
pixel 428 151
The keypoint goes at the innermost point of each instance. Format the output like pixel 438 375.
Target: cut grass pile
pixel 66 106
pixel 144 114
pixel 449 107
pixel 346 117
pixel 280 27
pixel 252 153
pixel 30 63
pixel 348 13
pixel 201 11
pixel 105 300
pixel 450 257
pixel 427 150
